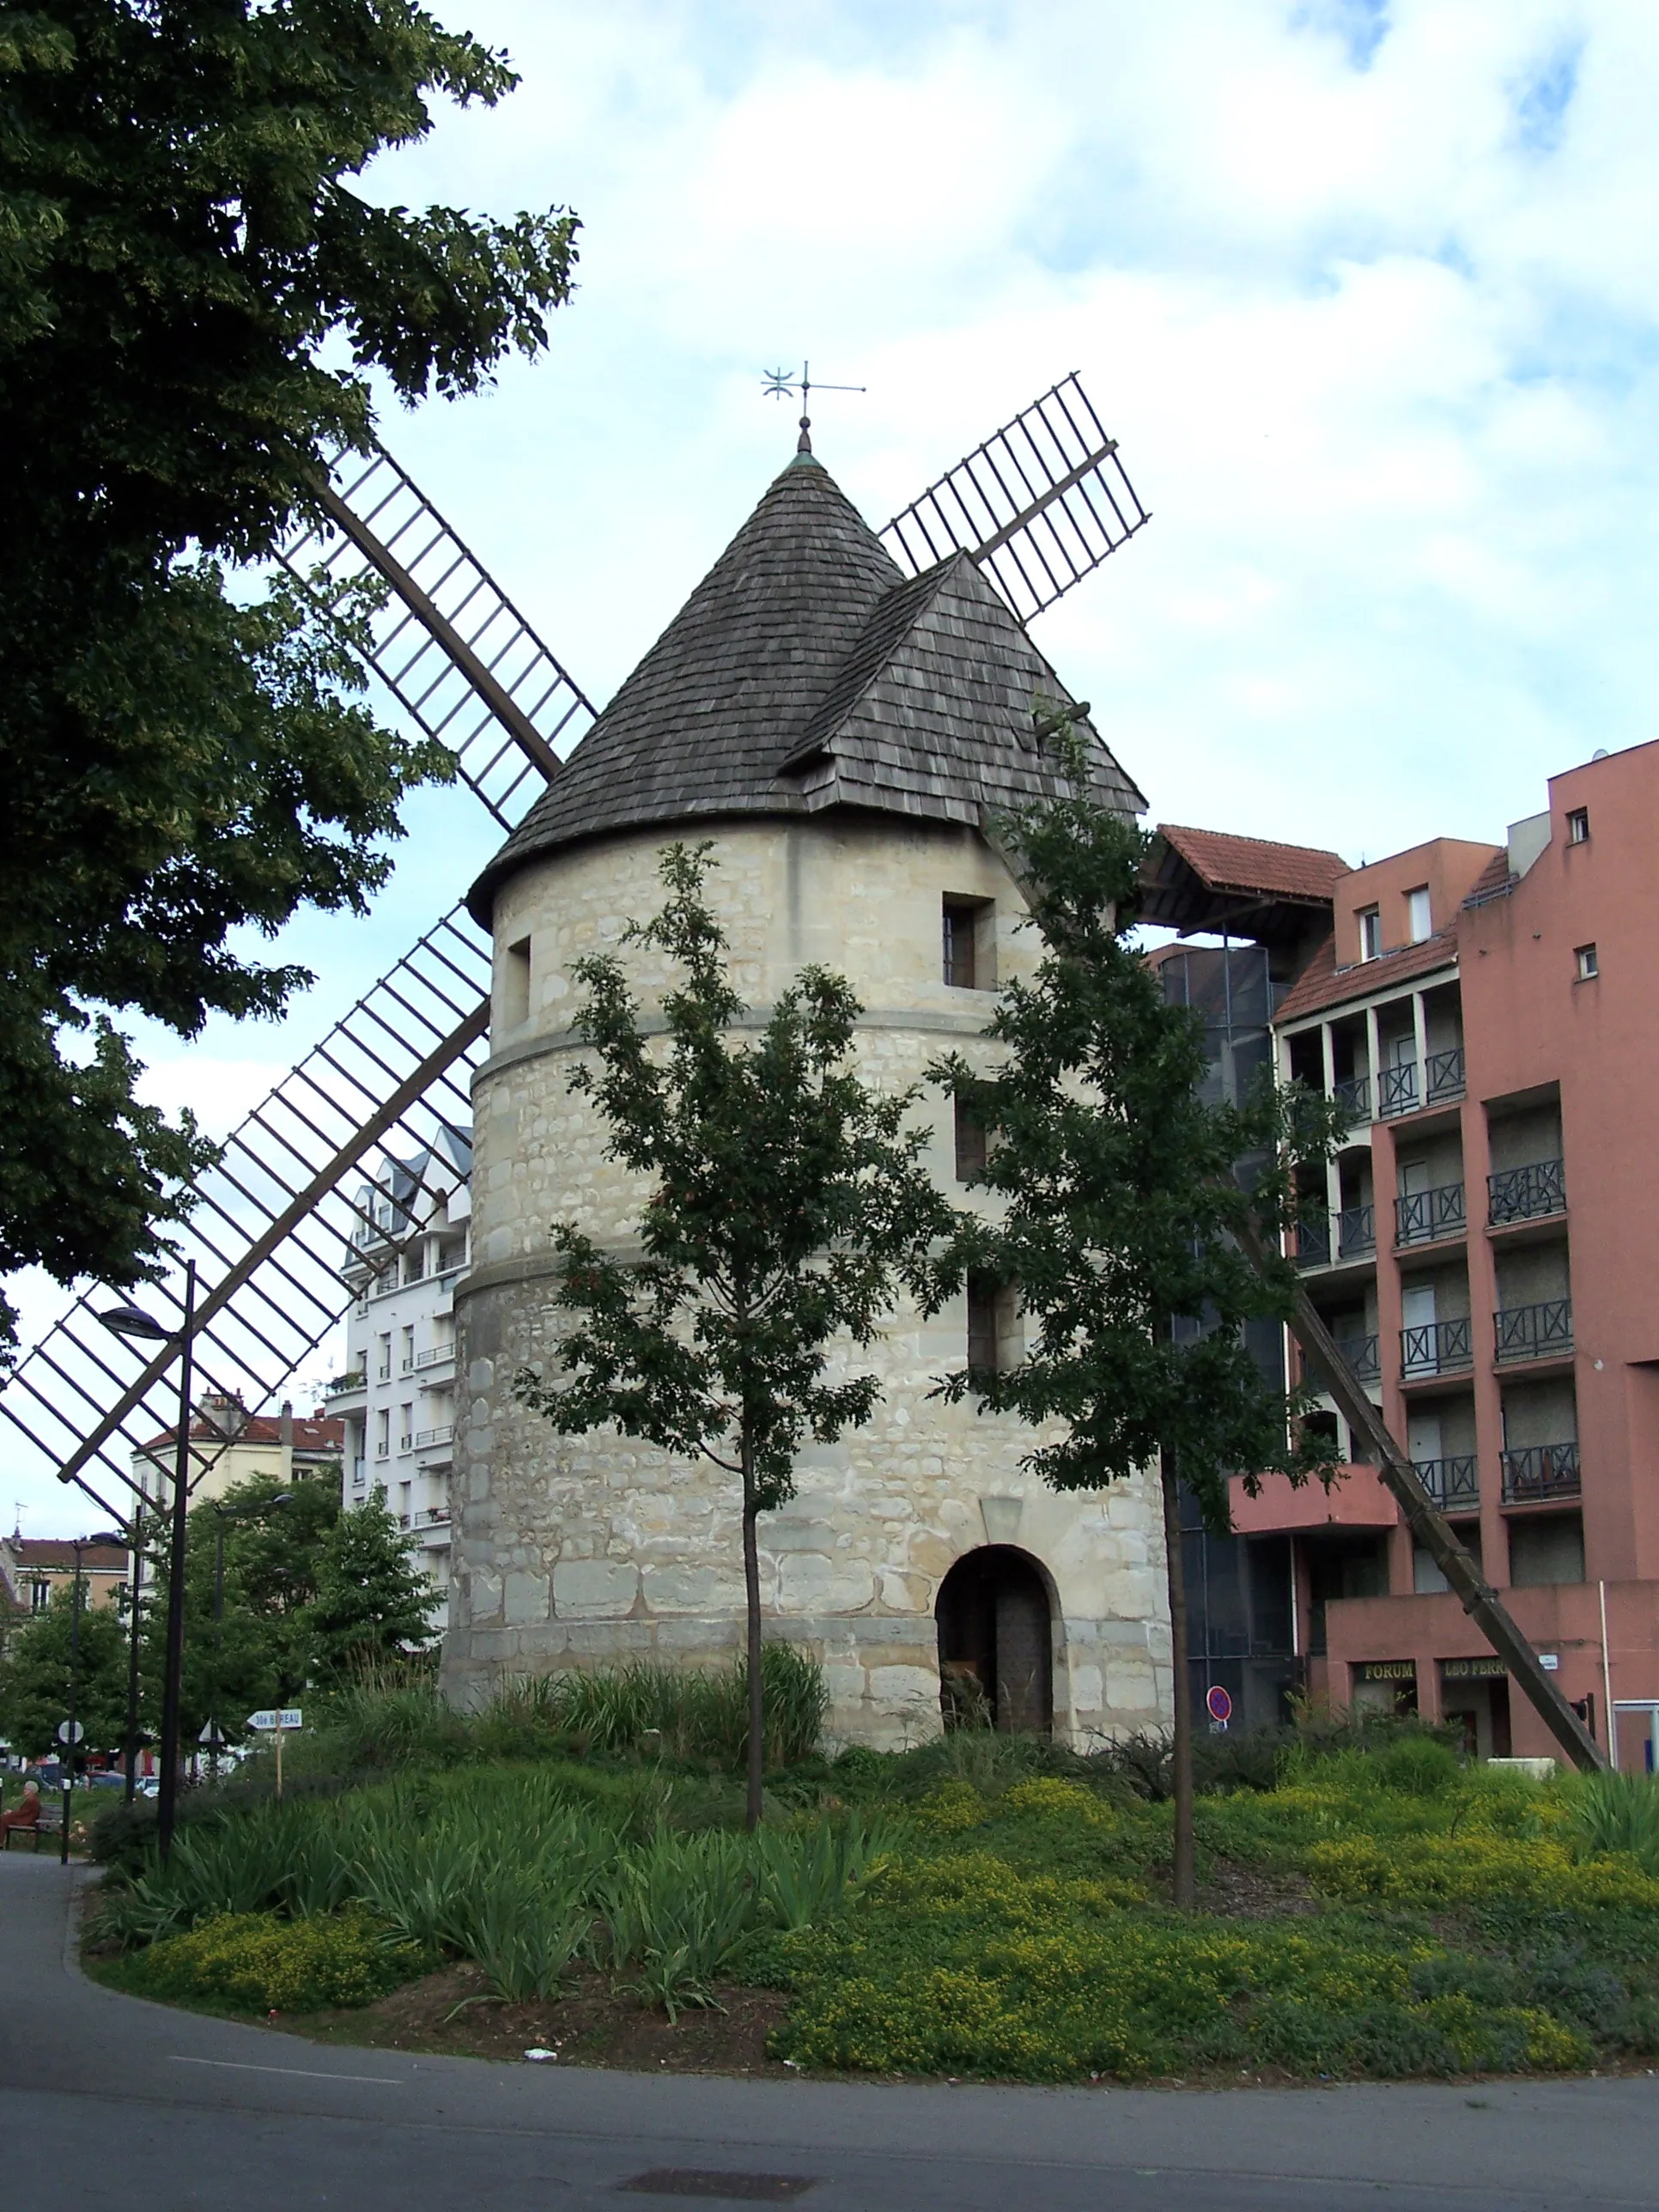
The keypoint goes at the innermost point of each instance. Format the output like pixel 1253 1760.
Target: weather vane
pixel 779 381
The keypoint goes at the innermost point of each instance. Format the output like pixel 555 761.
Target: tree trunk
pixel 751 1597
pixel 1183 1885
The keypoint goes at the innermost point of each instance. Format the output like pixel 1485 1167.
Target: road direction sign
pixel 70 1731
pixel 1220 1704
pixel 272 1719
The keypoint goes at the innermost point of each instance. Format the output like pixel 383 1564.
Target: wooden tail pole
pixel 1429 1525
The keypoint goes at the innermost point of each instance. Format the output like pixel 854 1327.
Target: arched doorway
pixel 996 1658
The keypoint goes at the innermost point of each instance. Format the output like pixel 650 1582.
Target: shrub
pixel 1618 1813
pixel 254 1960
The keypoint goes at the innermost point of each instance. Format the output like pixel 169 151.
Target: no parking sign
pixel 1220 1705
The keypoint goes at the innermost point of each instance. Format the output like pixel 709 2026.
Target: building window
pixel 515 985
pixel 962 966
pixel 970 1144
pixel 1588 966
pixel 1578 826
pixel 39 1596
pixel 1370 932
pixel 382 1433
pixel 1417 915
pixel 982 1321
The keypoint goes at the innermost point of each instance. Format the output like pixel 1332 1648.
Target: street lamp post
pixel 134 1591
pixel 132 1321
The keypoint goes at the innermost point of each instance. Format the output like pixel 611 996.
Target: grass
pixel 979 1906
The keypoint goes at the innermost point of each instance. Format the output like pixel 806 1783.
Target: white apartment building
pixel 398 1395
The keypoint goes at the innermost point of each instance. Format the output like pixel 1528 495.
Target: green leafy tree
pixel 372 1601
pixel 1119 1197
pixel 35 1676
pixel 786 1205
pixel 259 1650
pixel 195 292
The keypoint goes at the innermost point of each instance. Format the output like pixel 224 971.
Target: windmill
pixel 1037 507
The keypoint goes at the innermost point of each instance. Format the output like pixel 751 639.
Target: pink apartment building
pixel 1482 1248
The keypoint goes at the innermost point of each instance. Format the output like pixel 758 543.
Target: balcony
pixel 1435 1347
pixel 1355 1093
pixel 1453 1484
pixel 1397 1090
pixel 1356 1232
pixel 1541 1332
pixel 1313 1240
pixel 1445 1072
pixel 1361 1354
pixel 1540 1473
pixel 436 1355
pixel 435 1516
pixel 1526 1193
pixel 1424 1217
pixel 426 1438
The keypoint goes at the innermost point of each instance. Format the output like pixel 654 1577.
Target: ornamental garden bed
pixel 960 1913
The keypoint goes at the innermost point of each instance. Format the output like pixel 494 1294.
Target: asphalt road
pixel 106 2101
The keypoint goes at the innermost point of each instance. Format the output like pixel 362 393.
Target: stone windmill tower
pixel 837 728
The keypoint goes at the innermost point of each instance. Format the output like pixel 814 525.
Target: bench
pixel 49 1824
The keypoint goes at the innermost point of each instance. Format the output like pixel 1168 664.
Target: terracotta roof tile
pixel 315 1433
pixel 1255 865
pixel 1322 983
pixel 46 1551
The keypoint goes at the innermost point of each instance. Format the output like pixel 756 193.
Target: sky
pixel 1365 288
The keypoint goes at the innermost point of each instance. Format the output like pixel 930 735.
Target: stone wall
pixel 576 1551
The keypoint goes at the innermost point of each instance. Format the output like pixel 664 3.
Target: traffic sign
pixel 211 1734
pixel 1220 1704
pixel 70 1732
pixel 273 1719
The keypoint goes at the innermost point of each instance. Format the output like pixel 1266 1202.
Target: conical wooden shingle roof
pixel 806 672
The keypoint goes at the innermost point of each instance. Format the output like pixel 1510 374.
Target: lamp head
pixel 133 1321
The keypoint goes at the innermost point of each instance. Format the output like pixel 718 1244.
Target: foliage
pixel 35 1676
pixel 372 1599
pixel 194 297
pixel 267 1964
pixel 786 1203
pixel 1619 1812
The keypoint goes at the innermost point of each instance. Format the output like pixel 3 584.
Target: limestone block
pixel 526 1598
pixel 592 1589
pixel 484 1596
pixel 691 1589
pixel 1088 1687
pixel 902 1592
pixel 792 1532
pixel 810 1581
pixel 1001 1516
pixel 904 1689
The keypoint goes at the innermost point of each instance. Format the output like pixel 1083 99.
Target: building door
pixel 996 1643
pixel 1422 1429
pixel 1419 1351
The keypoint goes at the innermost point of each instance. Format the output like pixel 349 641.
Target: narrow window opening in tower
pixel 968 962
pixel 970 1144
pixel 982 1317
pixel 515 985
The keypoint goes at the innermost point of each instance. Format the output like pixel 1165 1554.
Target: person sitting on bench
pixel 28 1814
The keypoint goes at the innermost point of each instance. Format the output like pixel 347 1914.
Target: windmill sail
pixel 272 1225
pixel 1038 505
pixel 448 643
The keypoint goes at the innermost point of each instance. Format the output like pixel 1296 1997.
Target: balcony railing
pixel 1524 1194
pixel 1540 1332
pixel 1361 1354
pixel 1445 1072
pixel 1313 1240
pixel 1435 1347
pixel 1541 1471
pixel 1354 1093
pixel 435 1516
pixel 1397 1090
pixel 425 1439
pixel 433 1356
pixel 1424 1217
pixel 1450 1482
pixel 1356 1232
pixel 383 1450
